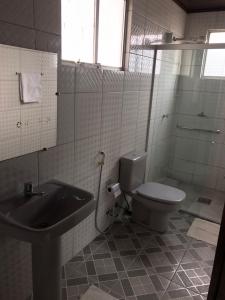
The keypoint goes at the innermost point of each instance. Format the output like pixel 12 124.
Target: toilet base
pixel 154 220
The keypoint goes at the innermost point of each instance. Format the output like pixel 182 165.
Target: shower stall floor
pixel 200 201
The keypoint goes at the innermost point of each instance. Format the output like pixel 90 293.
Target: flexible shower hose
pixel 101 164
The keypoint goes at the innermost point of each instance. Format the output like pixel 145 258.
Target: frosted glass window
pixel 111 32
pixel 93 31
pixel 214 64
pixel 78 22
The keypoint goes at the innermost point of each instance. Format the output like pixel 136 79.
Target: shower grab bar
pixel 199 129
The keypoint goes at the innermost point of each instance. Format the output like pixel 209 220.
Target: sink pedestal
pixel 46 260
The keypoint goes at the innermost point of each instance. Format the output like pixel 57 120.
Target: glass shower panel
pixel 163 113
pixel 187 129
pixel 198 155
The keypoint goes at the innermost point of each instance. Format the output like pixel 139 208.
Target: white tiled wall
pixel 198 23
pixel 164 13
pixel 23 126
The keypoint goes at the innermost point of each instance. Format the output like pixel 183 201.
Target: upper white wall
pixel 197 24
pixel 164 13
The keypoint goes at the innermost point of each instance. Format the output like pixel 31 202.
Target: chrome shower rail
pixel 217 131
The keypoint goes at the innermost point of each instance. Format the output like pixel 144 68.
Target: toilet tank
pixel 132 171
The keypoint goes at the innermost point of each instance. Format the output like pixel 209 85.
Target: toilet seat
pixel 161 193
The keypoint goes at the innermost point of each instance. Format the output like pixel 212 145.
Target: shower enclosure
pixel 186 136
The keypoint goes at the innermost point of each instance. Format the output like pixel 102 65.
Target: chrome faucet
pixel 29 190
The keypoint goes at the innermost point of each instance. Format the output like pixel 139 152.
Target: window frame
pixel 96 33
pixel 202 76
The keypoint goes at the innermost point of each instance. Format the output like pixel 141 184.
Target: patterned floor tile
pixel 180 223
pixel 138 286
pixel 195 269
pixel 124 243
pixel 180 293
pixel 195 276
pixel 74 269
pixel 199 251
pixel 173 241
pixel 77 291
pixel 161 261
pixel 105 266
pixel 147 239
pixel 131 262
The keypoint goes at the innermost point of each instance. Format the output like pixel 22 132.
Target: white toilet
pixel 152 202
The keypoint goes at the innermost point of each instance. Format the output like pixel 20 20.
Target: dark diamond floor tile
pixel 128 260
pixel 77 291
pixel 147 240
pixel 173 241
pixel 204 254
pixel 127 288
pixel 124 242
pixel 164 262
pixel 77 281
pixel 122 275
pixel 107 277
pixel 75 270
pixel 115 288
pixel 118 264
pixel 148 285
pixel 177 223
pixel 105 266
pixel 90 267
pixel 149 297
pixel 177 292
pixel 136 273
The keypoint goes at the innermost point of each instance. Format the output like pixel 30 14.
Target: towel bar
pixel 217 131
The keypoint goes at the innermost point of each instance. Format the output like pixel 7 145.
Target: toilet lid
pixel 161 192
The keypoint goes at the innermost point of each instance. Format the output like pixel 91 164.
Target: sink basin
pixel 41 220
pixel 46 216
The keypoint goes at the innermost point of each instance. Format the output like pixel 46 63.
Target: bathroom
pixel 156 101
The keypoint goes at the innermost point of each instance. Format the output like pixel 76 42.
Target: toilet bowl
pixel 152 202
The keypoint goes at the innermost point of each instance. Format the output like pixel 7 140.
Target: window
pixel 214 59
pixel 93 31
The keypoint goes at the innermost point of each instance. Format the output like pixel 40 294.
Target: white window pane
pixel 217 37
pixel 215 58
pixel 78 30
pixel 215 63
pixel 111 32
